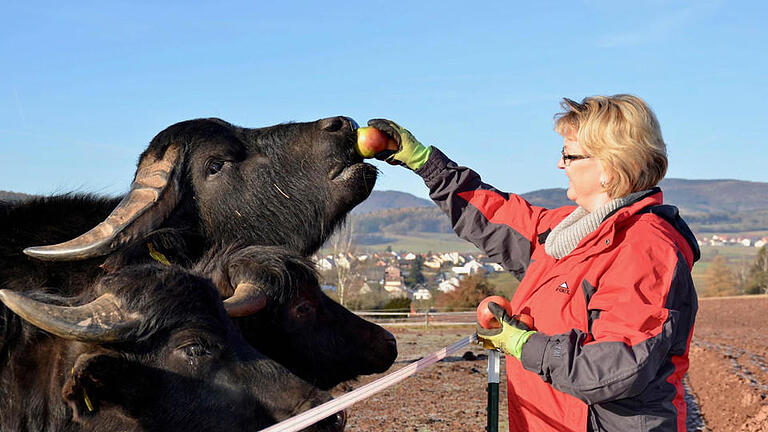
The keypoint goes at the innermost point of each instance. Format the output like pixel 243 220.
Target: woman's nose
pixel 561 163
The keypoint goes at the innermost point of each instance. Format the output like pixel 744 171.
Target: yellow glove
pixel 411 152
pixel 508 339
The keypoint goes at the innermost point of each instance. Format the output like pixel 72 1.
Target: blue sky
pixel 84 86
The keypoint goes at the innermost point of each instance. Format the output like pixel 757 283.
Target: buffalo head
pixel 151 348
pixel 296 324
pixel 211 181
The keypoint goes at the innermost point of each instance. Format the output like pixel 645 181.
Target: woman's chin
pixel 571 194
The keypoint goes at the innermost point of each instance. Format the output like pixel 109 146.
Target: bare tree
pixel 470 292
pixel 741 273
pixel 758 277
pixel 343 246
pixel 718 279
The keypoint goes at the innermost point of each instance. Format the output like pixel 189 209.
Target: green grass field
pixel 735 257
pixel 422 243
pixel 729 252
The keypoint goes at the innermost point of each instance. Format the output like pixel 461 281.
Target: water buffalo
pixel 207 180
pixel 298 320
pixel 201 184
pixel 146 348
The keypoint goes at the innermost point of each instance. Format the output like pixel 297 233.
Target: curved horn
pixel 247 300
pixel 101 320
pixel 154 193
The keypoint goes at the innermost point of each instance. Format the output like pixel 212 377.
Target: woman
pixel 607 282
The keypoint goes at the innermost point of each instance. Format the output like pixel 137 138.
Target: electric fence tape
pixel 331 407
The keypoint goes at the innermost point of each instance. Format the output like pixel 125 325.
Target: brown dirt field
pixel 729 363
pixel 728 377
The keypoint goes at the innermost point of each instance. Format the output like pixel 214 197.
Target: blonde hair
pixel 622 133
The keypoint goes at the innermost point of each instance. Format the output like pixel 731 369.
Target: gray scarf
pixel 568 233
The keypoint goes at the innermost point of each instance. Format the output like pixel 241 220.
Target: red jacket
pixel 614 317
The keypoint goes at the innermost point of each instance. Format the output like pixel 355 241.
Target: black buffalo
pixel 199 185
pixel 147 348
pixel 299 321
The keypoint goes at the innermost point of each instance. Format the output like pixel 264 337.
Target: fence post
pixel 426 319
pixel 494 366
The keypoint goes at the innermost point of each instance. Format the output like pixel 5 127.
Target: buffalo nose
pixel 391 343
pixel 386 353
pixel 334 423
pixel 336 124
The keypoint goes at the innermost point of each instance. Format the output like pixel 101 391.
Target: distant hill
pixel 708 206
pixel 708 196
pixel 13 196
pixel 690 196
pixel 385 200
pixel 548 198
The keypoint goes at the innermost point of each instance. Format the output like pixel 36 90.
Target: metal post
pixel 494 364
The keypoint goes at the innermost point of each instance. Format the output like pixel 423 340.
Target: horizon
pixel 86 88
pixel 428 199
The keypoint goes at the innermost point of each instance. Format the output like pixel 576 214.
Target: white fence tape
pixel 405 318
pixel 413 314
pixel 329 408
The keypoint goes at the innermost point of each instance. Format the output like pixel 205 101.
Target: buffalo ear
pixel 96 382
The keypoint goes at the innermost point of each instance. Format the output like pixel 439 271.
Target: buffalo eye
pixel 213 167
pixel 303 310
pixel 195 351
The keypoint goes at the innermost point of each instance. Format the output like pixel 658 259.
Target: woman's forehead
pixel 570 143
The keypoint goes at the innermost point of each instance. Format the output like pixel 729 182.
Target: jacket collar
pixel 653 196
pixel 652 202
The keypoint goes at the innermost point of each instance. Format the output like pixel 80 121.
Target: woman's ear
pixel 606 177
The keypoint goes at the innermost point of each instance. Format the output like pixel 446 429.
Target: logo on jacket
pixel 563 288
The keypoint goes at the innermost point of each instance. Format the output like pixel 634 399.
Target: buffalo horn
pixel 154 193
pixel 101 320
pixel 247 300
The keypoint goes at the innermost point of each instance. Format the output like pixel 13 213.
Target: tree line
pixel 720 279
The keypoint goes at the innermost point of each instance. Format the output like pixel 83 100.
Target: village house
pixel 433 263
pixel 394 283
pixel 469 268
pixel 365 289
pixel 726 240
pixel 448 285
pixel 492 267
pixel 453 257
pixel 342 261
pixel 422 294
pixel 325 264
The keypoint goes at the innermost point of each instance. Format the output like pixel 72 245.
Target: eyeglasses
pixel 568 158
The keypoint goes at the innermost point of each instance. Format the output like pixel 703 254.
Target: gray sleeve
pixel 507 245
pixel 598 372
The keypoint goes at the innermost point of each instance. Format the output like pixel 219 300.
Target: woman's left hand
pixel 508 339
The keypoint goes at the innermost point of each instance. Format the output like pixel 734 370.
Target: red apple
pixel 484 316
pixel 371 141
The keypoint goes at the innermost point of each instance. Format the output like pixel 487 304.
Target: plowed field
pixel 728 378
